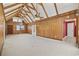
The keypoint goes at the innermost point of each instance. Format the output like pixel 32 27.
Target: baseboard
pixel 51 38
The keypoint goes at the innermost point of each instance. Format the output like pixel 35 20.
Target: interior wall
pixel 11 27
pixel 2 26
pixel 53 27
pixel 78 31
pixel 29 29
pixel 34 29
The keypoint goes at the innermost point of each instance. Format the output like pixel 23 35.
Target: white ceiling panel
pixel 41 11
pixel 66 7
pixel 50 9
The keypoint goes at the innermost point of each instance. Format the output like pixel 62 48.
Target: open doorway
pixel 70 31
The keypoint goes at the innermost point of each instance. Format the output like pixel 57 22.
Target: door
pixel 10 29
pixel 70 29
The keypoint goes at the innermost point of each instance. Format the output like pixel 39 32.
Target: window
pixel 17 19
pixel 20 27
pixel 17 27
pixel 14 20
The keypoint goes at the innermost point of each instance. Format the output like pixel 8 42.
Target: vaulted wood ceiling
pixel 29 11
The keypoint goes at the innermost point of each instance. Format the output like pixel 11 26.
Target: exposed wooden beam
pixel 11 5
pixel 10 16
pixel 25 16
pixel 56 8
pixel 44 10
pixel 29 6
pixel 29 10
pixel 26 19
pixel 28 16
pixel 25 10
pixel 14 9
pixel 11 13
pixel 35 9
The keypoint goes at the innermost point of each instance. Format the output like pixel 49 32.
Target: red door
pixel 65 27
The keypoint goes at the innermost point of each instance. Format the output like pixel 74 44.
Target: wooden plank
pixel 14 9
pixel 10 16
pixel 11 5
pixel 25 18
pixel 25 10
pixel 28 16
pixel 35 9
pixel 29 10
pixel 44 10
pixel 56 8
pixel 29 6
pixel 12 13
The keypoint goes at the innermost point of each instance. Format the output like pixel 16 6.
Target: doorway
pixel 70 32
pixel 70 29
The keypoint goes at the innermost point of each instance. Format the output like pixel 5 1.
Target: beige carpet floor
pixel 28 45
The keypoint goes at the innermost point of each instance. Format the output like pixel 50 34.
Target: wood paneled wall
pixel 53 27
pixel 11 28
pixel 2 26
pixel 78 31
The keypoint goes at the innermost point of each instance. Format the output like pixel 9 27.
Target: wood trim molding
pixel 59 15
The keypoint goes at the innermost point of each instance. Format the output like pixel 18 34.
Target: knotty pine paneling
pixel 78 32
pixel 52 27
pixel 11 27
pixel 2 25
